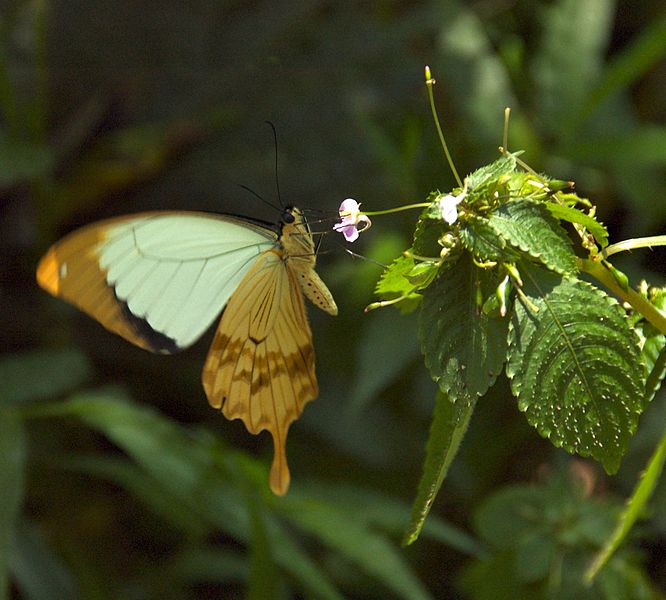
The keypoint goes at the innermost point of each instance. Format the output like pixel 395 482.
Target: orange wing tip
pixel 48 273
pixel 279 477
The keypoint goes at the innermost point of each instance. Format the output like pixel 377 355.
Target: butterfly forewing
pixel 157 279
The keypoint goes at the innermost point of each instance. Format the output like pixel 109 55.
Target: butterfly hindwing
pixel 261 367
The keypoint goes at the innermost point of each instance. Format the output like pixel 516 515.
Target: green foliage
pixel 575 367
pixel 448 428
pixel 634 509
pixel 464 348
pixel 191 473
pixel 539 539
pixel 90 128
pixel 525 225
pixel 12 482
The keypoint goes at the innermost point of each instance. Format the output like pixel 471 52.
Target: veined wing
pixel 157 279
pixel 261 366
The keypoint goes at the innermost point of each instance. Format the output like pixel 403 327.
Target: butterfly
pixel 160 279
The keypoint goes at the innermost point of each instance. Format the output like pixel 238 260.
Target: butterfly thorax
pixel 299 254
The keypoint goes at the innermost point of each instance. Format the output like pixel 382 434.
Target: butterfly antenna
pixel 277 179
pixel 365 258
pixel 247 189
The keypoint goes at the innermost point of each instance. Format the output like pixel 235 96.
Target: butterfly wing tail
pixel 279 477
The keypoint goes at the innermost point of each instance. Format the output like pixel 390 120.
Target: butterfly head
pixel 290 214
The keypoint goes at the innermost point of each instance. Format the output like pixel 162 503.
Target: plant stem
pixel 374 213
pixel 638 303
pixel 634 243
pixel 429 83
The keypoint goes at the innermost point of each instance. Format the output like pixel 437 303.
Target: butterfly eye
pixel 288 216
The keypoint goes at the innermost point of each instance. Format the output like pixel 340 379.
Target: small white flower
pixel 448 206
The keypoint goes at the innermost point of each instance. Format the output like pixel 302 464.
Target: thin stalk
pixel 374 213
pixel 429 83
pixel 633 244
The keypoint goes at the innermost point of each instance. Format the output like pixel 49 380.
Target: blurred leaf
pixel 468 68
pixel 387 513
pixel 179 459
pixel 264 579
pixel 575 366
pixel 464 349
pixel 534 556
pixel 203 564
pixel 22 161
pixel 38 571
pixel 193 469
pixel 142 486
pixel 448 428
pixel 575 35
pixel 509 514
pixel 541 537
pixel 629 65
pixel 41 374
pixel 345 534
pixel 297 562
pixel 635 508
pixel 12 481
pixel 380 360
pixel 118 161
pixel 642 146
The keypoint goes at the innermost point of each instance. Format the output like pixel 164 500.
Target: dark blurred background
pixel 115 107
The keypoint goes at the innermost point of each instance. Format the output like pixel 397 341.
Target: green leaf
pixel 573 215
pixel 264 577
pixel 297 562
pixel 194 470
pixel 348 536
pixel 575 366
pixel 179 459
pixel 534 556
pixel 23 161
pixel 653 348
pixel 634 509
pixel 39 572
pixel 644 147
pixel 483 241
pixel 429 229
pixel 387 513
pixel 12 482
pixel 569 59
pixel 504 165
pixel 509 514
pixel 41 374
pixel 464 348
pixel 528 226
pixel 448 428
pixel 629 64
pixel 393 281
pixel 381 359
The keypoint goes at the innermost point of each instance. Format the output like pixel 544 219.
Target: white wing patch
pixel 177 272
